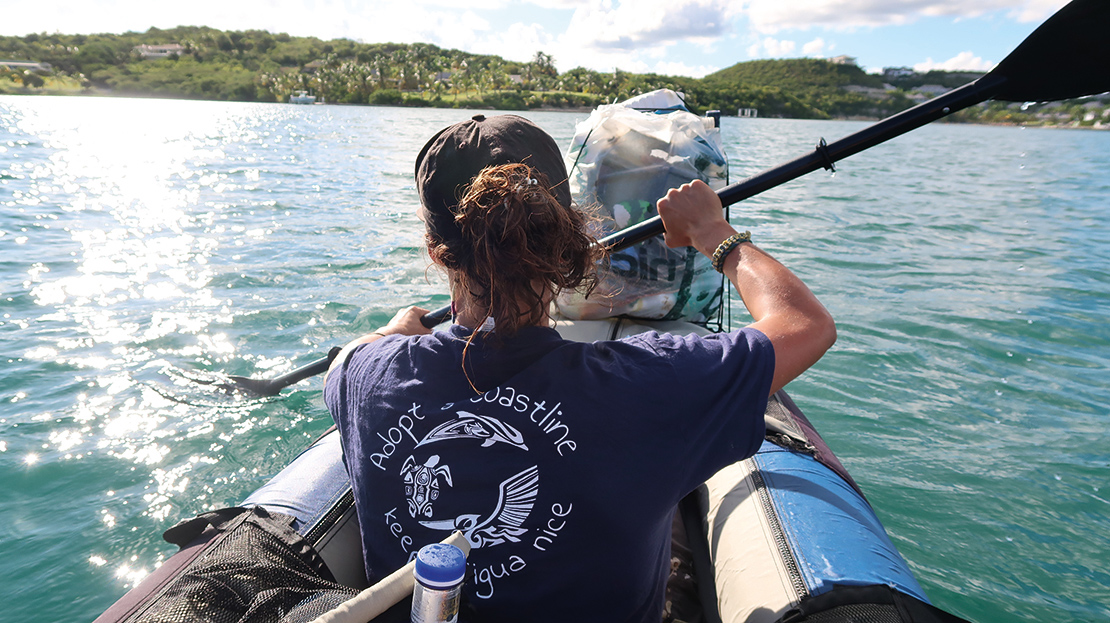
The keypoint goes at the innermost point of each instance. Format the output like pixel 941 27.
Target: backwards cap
pixel 451 160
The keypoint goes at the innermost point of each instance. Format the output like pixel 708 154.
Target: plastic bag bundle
pixel 622 160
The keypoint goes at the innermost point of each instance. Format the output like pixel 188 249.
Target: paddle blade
pixel 258 387
pixel 1067 56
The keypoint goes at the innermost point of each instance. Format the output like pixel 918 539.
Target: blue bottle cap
pixel 440 565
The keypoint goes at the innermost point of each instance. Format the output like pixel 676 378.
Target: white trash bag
pixel 622 160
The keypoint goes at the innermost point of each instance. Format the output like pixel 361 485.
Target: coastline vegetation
pixel 257 66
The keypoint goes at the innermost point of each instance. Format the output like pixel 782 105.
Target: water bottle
pixel 439 576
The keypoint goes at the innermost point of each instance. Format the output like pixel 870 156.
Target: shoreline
pixel 569 109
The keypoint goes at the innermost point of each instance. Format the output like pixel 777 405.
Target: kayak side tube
pixel 817 532
pixel 789 532
pixel 315 491
pixel 790 536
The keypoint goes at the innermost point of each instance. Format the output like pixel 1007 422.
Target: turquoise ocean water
pixel 146 246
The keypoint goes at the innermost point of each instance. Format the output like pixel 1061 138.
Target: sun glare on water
pixel 131 200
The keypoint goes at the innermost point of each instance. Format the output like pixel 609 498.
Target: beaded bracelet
pixel 726 247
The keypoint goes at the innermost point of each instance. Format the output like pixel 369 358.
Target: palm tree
pixel 438 88
pixel 381 69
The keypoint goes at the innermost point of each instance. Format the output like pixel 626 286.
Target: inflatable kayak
pixel 785 535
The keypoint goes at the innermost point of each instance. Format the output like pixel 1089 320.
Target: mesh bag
pixel 621 161
pixel 256 570
pixel 856 613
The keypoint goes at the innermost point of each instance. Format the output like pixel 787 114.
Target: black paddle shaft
pixel 1066 57
pixel 826 154
pixel 272 387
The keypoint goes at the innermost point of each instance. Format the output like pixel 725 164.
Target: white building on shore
pixel 163 50
pixel 43 68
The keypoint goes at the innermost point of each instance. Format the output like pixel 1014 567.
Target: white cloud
pixel 569 55
pixel 964 61
pixel 553 4
pixel 628 25
pixel 519 42
pixel 770 47
pixel 640 35
pixel 770 16
pixel 471 5
pixel 402 22
pixel 675 68
pixel 814 48
pixel 77 16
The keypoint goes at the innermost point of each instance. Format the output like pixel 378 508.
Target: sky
pixel 673 37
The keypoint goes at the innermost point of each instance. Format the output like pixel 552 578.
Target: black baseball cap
pixel 451 160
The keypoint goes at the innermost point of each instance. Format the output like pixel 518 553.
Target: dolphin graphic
pixel 472 426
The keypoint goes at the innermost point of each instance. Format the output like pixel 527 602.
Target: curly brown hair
pixel 515 237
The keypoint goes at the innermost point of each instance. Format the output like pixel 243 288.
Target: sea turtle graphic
pixel 422 483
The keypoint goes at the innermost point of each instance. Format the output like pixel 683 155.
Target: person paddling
pixel 560 462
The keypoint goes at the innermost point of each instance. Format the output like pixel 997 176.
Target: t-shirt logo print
pixel 422 483
pixel 473 426
pixel 516 494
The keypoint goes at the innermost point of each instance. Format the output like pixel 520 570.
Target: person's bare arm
pixel 784 309
pixel 404 322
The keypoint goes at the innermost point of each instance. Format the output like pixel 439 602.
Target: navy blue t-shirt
pixel 563 474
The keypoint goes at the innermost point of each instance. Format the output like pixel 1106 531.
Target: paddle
pixel 1066 57
pixel 271 387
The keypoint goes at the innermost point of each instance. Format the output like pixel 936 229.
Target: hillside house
pixel 163 50
pixel 872 92
pixel 932 89
pixel 891 73
pixel 36 67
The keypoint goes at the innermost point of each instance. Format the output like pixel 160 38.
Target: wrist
pixel 708 239
pixel 727 246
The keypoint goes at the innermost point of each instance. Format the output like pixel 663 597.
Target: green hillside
pixel 254 65
pixel 796 74
pixel 804 87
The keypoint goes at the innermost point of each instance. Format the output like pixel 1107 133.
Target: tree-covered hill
pixel 802 87
pixel 254 65
pixel 796 74
pixel 947 79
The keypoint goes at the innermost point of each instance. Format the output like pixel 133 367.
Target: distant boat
pixel 302 97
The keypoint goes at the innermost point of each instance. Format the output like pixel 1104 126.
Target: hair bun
pixel 513 233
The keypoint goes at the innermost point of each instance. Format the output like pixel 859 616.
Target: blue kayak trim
pixel 834 534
